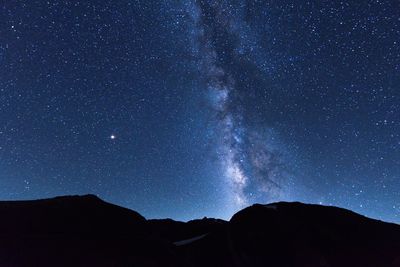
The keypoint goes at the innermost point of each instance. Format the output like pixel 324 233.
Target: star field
pixel 187 109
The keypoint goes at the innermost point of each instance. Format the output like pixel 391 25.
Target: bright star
pixel 112 137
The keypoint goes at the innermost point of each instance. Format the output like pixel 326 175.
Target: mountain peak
pixel 86 197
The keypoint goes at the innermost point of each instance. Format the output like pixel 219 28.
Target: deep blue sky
pixel 187 109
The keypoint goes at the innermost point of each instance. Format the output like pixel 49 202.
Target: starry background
pixel 187 109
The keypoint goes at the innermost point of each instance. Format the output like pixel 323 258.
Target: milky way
pixel 253 167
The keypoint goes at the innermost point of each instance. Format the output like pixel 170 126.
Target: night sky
pixel 192 108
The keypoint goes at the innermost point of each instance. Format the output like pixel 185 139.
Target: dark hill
pixel 73 215
pixel 86 231
pixel 296 234
pixel 77 231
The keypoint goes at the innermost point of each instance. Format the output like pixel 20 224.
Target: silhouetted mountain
pixel 77 231
pixel 296 234
pixel 86 231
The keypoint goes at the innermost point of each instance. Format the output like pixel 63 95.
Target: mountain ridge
pixel 84 230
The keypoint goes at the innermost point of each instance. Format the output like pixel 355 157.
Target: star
pixel 112 137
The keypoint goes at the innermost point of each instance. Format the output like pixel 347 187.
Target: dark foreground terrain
pixel 86 231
